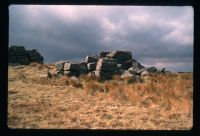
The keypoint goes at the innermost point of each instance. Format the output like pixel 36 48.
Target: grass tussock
pixel 38 65
pixel 53 81
pixel 93 87
pixel 166 91
pixel 34 64
pixel 85 78
pixel 163 90
pixel 169 92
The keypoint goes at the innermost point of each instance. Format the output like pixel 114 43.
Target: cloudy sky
pixel 156 36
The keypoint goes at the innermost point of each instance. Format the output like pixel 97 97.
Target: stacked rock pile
pixel 19 55
pixel 105 65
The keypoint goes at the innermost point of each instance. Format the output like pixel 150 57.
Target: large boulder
pixel 60 65
pixel 120 55
pixel 126 64
pixel 83 70
pixel 71 66
pixel 126 74
pixel 137 65
pixel 106 74
pixel 83 64
pixel 151 69
pixel 91 66
pixel 103 54
pixel 106 65
pixel 136 71
pixel 133 71
pixel 161 70
pixel 90 59
pixel 106 68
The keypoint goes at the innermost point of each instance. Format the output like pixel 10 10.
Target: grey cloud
pixel 59 38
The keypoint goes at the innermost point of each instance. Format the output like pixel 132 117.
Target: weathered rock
pixel 104 74
pixel 90 59
pixel 151 69
pixel 35 56
pixel 60 65
pixel 19 55
pixel 144 73
pixel 110 60
pixel 141 70
pixel 83 64
pixel 120 55
pixel 133 71
pixel 137 65
pixel 83 70
pixel 126 74
pixel 71 73
pixel 126 64
pixel 23 60
pixel 136 71
pixel 91 66
pixel 162 70
pixel 71 66
pixel 106 65
pixel 61 72
pixel 103 54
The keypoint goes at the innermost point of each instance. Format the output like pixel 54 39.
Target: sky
pixel 160 36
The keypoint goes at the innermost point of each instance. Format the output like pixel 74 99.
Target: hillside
pixel 160 101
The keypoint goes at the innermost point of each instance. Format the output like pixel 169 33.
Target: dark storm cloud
pixel 160 36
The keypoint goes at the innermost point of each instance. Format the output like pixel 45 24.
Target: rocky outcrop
pixel 34 56
pixel 19 55
pixel 106 65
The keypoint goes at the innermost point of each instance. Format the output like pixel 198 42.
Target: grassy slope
pixel 161 102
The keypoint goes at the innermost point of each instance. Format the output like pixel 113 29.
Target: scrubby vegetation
pixel 159 101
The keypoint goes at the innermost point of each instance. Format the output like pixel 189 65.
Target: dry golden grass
pixel 161 102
